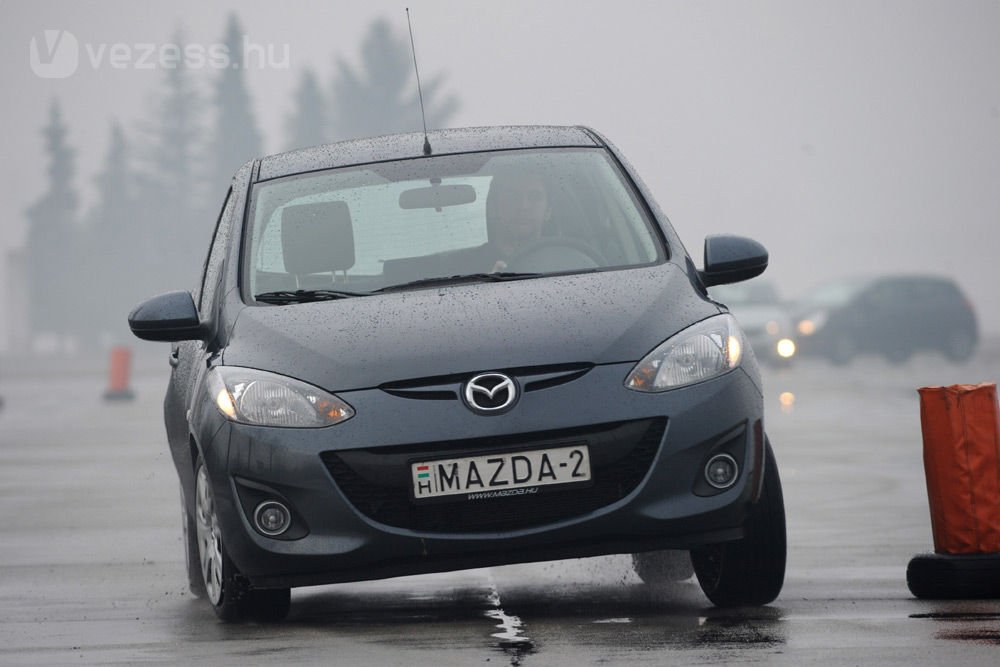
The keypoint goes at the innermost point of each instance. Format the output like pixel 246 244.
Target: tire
pixel 226 590
pixel 269 604
pixel 659 568
pixel 751 571
pixel 952 577
pixel 959 347
pixel 192 562
pixel 898 355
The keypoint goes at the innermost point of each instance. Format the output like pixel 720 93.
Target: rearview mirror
pixel 730 259
pixel 168 317
pixel 437 196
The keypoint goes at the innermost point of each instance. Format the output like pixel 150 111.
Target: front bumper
pixel 344 541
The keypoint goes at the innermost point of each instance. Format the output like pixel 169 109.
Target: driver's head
pixel 517 208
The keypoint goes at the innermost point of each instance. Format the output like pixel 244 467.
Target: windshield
pixel 379 226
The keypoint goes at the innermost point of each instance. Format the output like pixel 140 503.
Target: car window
pixel 938 292
pixel 831 295
pixel 213 264
pixel 386 236
pixel 376 226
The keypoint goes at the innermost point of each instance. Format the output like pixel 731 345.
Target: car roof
pixel 411 145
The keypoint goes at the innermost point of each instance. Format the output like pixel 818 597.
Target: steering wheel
pixel 555 254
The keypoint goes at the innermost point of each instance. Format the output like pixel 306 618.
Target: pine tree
pixel 115 233
pixel 235 136
pixel 53 253
pixel 307 126
pixel 382 97
pixel 173 224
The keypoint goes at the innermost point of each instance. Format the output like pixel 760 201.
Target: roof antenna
pixel 420 94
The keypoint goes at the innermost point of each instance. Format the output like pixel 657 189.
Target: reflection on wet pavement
pixel 973 626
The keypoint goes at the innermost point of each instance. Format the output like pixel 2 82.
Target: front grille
pixel 376 481
pixel 449 387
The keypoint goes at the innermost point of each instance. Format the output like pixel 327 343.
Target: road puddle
pixel 511 638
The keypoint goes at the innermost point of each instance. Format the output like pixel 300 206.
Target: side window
pixel 216 255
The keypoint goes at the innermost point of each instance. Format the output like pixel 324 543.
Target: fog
pixel 849 137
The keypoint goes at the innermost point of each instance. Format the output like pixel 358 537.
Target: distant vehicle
pixel 764 318
pixel 489 348
pixel 893 316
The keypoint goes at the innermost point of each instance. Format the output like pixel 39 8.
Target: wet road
pixel 91 564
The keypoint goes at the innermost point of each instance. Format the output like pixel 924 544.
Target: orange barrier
pixel 961 431
pixel 118 375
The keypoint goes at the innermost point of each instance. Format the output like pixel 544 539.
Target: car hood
pixel 362 342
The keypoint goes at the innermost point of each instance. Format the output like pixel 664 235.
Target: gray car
pixel 489 347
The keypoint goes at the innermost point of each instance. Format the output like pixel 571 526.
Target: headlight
pixel 250 396
pixel 786 348
pixel 810 325
pixel 702 351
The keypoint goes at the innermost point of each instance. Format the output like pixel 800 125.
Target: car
pixel 764 318
pixel 892 315
pixel 476 347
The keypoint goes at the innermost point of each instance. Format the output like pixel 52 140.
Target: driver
pixel 517 208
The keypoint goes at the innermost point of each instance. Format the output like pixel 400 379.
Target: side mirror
pixel 168 317
pixel 730 259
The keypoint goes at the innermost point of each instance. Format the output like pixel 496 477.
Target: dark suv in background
pixel 893 316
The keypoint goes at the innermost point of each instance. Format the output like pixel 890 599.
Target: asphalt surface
pixel 91 563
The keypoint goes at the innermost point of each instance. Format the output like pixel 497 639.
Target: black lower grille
pixel 376 481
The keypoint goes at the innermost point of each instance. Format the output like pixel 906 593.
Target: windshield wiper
pixel 305 295
pixel 500 276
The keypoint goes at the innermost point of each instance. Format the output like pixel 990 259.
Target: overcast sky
pixel 846 136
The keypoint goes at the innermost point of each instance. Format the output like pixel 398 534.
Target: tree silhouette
pixel 116 232
pixel 172 222
pixel 235 136
pixel 52 250
pixel 382 97
pixel 307 125
pixel 149 228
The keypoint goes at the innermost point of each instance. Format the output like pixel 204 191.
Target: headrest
pixel 317 238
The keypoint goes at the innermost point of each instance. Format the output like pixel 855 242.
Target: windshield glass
pixel 388 224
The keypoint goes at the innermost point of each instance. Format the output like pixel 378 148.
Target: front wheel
pixel 959 346
pixel 192 560
pixel 228 593
pixel 751 571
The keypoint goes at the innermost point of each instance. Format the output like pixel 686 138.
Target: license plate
pixel 500 475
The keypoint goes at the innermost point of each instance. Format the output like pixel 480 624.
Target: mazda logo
pixel 490 393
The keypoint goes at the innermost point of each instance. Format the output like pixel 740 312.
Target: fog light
pixel 272 518
pixel 722 471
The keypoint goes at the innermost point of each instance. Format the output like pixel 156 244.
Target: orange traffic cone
pixel 961 432
pixel 118 375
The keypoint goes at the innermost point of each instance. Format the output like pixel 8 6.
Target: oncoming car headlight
pixel 260 398
pixel 702 351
